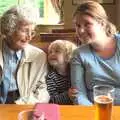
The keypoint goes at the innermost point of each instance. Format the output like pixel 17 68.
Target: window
pixel 5 4
pixel 47 12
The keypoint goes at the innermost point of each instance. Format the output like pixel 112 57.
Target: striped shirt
pixel 58 86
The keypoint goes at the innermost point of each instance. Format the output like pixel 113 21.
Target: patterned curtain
pixel 58 6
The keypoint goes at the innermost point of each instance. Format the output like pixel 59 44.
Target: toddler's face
pixel 56 57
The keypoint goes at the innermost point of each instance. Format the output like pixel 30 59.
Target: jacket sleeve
pixel 78 81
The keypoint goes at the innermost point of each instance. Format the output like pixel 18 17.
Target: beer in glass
pixel 103 99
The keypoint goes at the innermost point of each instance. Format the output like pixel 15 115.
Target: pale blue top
pixel 89 69
pixel 11 60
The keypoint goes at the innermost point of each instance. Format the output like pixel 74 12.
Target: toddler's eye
pixel 58 51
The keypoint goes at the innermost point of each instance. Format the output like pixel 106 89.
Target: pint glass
pixel 103 99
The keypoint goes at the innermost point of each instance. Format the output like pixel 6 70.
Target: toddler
pixel 58 78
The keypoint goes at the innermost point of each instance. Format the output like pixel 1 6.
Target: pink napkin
pixel 46 112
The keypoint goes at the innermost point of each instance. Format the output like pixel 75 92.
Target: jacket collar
pixel 27 54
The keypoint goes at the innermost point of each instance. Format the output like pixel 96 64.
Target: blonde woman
pixel 98 60
pixel 58 78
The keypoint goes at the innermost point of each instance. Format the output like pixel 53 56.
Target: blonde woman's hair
pixel 64 46
pixel 96 11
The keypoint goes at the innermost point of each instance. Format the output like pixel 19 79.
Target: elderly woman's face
pixel 21 36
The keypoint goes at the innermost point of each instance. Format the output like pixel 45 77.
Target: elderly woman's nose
pixel 29 35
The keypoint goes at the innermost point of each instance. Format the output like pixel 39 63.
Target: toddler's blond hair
pixel 64 46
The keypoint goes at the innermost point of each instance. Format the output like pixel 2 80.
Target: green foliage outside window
pixel 40 5
pixel 6 4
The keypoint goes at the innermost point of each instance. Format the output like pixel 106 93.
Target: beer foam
pixel 103 99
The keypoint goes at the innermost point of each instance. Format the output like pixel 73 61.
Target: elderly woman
pixel 97 61
pixel 22 66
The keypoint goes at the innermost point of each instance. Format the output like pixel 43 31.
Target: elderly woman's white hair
pixel 16 14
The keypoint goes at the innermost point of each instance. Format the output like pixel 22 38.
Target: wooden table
pixel 71 112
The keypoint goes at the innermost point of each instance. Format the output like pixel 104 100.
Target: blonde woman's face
pixel 56 57
pixel 88 29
